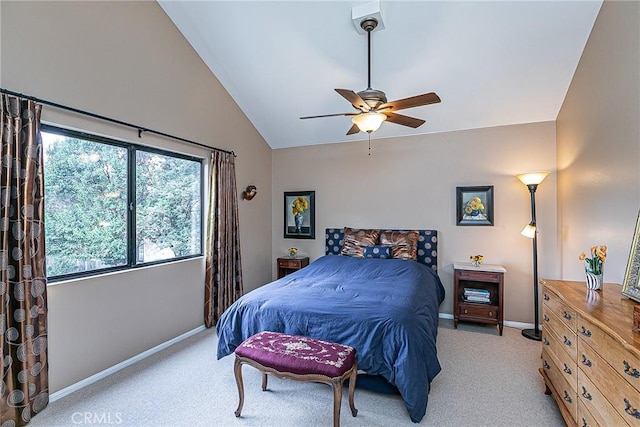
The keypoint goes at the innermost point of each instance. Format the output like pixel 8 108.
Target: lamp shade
pixel 529 230
pixel 533 178
pixel 369 122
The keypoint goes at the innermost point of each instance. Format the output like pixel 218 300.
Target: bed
pixel 386 308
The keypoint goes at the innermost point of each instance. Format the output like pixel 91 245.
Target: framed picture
pixel 630 285
pixel 300 215
pixel 474 205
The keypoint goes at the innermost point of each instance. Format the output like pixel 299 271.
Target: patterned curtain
pixel 223 277
pixel 23 281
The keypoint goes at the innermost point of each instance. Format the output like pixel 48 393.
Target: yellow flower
pixel 598 257
pixel 299 205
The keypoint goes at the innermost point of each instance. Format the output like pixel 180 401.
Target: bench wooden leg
pixel 237 370
pixel 336 384
pixel 264 381
pixel 352 388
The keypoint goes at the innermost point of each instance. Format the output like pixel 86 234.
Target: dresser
pixel 590 355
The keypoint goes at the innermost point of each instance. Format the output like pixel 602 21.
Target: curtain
pixel 223 276
pixel 23 284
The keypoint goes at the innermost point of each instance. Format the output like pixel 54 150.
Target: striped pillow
pixel 355 241
pixel 404 244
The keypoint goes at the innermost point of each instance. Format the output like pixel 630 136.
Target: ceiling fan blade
pixel 354 99
pixel 330 115
pixel 400 119
pixel 354 129
pixel 414 101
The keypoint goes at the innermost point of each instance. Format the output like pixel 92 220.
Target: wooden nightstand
pixel 483 301
pixel 288 265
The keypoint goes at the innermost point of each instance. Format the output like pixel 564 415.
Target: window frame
pixel 132 149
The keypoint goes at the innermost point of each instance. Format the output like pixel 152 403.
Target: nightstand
pixel 287 265
pixel 478 293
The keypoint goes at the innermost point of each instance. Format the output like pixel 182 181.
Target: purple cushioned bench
pixel 299 358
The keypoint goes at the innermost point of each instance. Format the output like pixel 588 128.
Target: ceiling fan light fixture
pixel 369 122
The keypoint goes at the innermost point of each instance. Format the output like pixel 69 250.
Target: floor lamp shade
pixel 532 180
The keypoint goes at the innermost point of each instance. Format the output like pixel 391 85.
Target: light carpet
pixel 486 380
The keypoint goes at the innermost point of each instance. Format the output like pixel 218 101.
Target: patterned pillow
pixel 355 240
pixel 404 244
pixel 377 251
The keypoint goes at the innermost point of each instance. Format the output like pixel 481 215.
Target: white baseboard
pixel 112 370
pixel 508 323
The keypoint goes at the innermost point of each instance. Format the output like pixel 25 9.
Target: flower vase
pixel 298 218
pixel 594 281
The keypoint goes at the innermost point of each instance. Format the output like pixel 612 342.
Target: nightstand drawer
pixel 289 263
pixel 478 311
pixel 483 276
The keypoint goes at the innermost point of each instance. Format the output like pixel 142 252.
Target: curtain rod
pixel 108 119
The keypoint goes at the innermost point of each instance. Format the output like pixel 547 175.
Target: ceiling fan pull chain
pixel 369 143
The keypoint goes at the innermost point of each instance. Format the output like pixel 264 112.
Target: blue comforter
pixel 386 309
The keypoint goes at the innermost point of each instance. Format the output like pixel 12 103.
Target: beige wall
pixel 127 60
pixel 411 183
pixel 598 138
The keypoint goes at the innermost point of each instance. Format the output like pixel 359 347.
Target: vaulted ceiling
pixel 492 63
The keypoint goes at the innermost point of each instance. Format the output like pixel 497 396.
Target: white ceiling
pixel 491 62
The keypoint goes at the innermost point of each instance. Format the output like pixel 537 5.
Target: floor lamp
pixel 532 180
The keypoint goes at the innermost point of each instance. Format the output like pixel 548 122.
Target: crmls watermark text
pixel 97 418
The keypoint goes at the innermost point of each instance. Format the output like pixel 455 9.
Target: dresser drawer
pixel 622 396
pixel 599 408
pixel 623 361
pixel 561 358
pixel 565 391
pixel 566 336
pixel 585 419
pixel 555 305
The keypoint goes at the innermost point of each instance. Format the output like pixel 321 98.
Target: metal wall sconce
pixel 250 192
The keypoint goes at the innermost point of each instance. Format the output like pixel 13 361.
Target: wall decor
pixel 250 192
pixel 299 215
pixel 474 205
pixel 630 285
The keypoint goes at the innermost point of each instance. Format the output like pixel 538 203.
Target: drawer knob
pixel 584 423
pixel 545 364
pixel 586 394
pixel 566 341
pixel 567 397
pixel 465 311
pixel 567 315
pixel 632 372
pixel 545 341
pixel 490 313
pixel 546 318
pixel 546 297
pixel 566 369
pixel 586 362
pixel 630 409
pixel 584 331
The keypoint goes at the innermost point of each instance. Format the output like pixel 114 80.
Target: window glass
pixel 85 204
pixel 168 209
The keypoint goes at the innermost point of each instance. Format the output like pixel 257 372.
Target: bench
pixel 299 358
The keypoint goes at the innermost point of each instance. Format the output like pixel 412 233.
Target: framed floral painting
pixel 474 205
pixel 631 282
pixel 300 215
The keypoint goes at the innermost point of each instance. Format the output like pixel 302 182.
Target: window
pixel 111 205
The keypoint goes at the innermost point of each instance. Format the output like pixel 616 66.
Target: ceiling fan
pixel 371 104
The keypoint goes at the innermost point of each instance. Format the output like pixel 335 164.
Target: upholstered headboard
pixel 427 245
